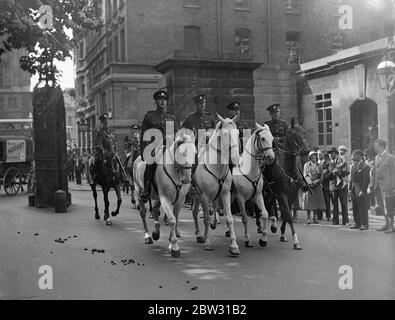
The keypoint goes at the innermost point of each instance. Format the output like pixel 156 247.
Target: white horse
pixel 172 178
pixel 248 181
pixel 213 178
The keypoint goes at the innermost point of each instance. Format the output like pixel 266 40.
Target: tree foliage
pixel 19 29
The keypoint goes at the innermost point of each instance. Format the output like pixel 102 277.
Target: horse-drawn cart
pixel 16 157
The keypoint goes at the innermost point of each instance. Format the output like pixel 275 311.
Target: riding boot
pixel 148 177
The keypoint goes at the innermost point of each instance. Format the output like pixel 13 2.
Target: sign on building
pixel 16 151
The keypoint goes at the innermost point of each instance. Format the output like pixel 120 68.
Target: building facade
pixel 246 50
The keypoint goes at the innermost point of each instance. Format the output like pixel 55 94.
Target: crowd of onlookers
pixel 77 167
pixel 367 178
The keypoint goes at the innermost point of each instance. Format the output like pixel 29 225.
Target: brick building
pixel 247 50
pixel 15 96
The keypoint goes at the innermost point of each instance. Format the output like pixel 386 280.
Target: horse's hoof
pixel 97 216
pixel 283 239
pixel 213 226
pixel 297 246
pixel 248 244
pixel 178 235
pixel 155 236
pixel 273 229
pixel 151 216
pixel 208 247
pixel 175 254
pixel 221 213
pixel 114 214
pixel 260 230
pixel 200 239
pixel 234 252
pixel 148 240
pixel 108 223
pixel 227 234
pixel 262 243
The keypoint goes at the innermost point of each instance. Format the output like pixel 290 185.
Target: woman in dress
pixel 314 200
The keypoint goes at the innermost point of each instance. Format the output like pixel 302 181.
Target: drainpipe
pixel 219 29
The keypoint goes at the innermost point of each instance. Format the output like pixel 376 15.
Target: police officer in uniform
pixel 154 120
pixel 278 127
pixel 200 119
pixel 233 109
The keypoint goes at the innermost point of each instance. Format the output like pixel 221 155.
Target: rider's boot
pixel 148 177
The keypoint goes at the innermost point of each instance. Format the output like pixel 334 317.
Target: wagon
pixel 16 158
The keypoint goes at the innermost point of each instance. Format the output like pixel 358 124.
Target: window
pixel 292 38
pixel 323 106
pixel 192 38
pixel 242 4
pixel 242 40
pixel 116 49
pixel 123 46
pixel 292 7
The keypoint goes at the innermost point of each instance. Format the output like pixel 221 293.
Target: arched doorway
pixel 364 123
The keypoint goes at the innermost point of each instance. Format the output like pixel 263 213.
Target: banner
pixel 16 151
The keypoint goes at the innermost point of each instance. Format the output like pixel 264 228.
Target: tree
pixel 38 27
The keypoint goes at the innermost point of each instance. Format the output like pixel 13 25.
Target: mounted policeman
pixel 155 120
pixel 278 127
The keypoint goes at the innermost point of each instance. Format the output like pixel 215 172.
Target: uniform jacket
pixel 241 125
pixel 156 120
pixel 384 172
pixel 105 141
pixel 197 120
pixel 360 178
pixel 279 129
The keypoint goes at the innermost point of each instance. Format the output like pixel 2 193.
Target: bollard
pixel 68 199
pixel 60 202
pixel 31 199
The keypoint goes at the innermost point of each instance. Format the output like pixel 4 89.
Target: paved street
pixel 27 241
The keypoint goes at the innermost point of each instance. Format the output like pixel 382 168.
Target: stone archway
pixel 364 123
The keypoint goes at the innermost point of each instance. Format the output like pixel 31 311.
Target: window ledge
pixel 242 9
pixel 292 13
pixel 191 6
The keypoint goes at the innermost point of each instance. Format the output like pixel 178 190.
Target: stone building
pixel 71 122
pixel 246 50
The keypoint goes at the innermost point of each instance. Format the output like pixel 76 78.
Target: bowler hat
pixel 161 94
pixel 201 98
pixel 274 107
pixel 103 116
pixel 333 150
pixel 235 105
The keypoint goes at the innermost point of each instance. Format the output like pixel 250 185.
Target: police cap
pixel 274 107
pixel 161 94
pixel 235 105
pixel 201 98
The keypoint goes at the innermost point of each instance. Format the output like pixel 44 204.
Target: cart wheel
pixel 12 181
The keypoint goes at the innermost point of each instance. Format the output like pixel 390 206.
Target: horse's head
pixel 295 140
pixel 184 155
pixel 229 136
pixel 262 144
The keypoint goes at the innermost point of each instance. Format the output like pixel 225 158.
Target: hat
pixel 312 153
pixel 199 98
pixel 233 106
pixel 161 94
pixel 274 107
pixel 333 150
pixel 103 116
pixel 135 126
pixel 343 148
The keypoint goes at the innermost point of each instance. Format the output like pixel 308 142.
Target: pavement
pixel 90 260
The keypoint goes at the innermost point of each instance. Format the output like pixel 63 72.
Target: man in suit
pixel 156 119
pixel 360 179
pixel 384 178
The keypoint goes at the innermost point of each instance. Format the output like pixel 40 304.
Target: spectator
pixel 359 182
pixel 313 174
pixel 79 169
pixel 384 178
pixel 369 161
pixel 85 161
pixel 71 166
pixel 340 191
pixel 328 195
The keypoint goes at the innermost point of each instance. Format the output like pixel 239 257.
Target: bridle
pixel 258 145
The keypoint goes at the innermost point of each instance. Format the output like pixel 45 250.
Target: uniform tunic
pixel 278 128
pixel 105 141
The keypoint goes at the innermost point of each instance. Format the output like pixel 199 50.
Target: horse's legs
pixel 155 211
pixel 195 212
pixel 206 207
pixel 93 187
pixel 119 200
pixel 167 209
pixel 106 206
pixel 177 209
pixel 269 201
pixel 241 202
pixel 286 217
pixel 234 248
pixel 297 244
pixel 264 216
pixel 143 215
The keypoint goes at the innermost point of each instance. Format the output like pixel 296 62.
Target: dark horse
pixel 103 173
pixel 284 179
